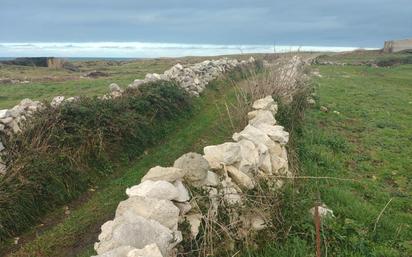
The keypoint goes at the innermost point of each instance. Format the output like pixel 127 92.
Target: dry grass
pixel 225 230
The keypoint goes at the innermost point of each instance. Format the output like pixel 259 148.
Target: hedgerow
pixel 63 151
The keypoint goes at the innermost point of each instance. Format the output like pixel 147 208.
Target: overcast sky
pixel 357 23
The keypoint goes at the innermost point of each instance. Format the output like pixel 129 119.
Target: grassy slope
pixel 47 83
pixel 358 57
pixel 69 83
pixel 370 141
pixel 76 233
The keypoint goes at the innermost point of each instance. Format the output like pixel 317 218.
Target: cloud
pixel 363 23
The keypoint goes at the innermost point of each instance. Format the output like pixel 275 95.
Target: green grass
pixel 369 56
pixel 76 234
pixel 48 83
pixel 370 141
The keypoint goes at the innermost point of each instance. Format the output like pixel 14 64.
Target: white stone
pixel 15 126
pixel 162 211
pixel 154 189
pixel 212 179
pixel 323 210
pixel 127 251
pixel 1 146
pixel 56 101
pixel 194 166
pixel 114 88
pixel 226 154
pixel 136 232
pixel 15 111
pixel 183 195
pixel 276 133
pixel 265 162
pixel 6 120
pixel 136 83
pixel 121 251
pixel 266 103
pixel 230 194
pixel 169 174
pixel 194 220
pixel 262 116
pixel 148 251
pixel 249 157
pixel 255 135
pixel 279 165
pixel 240 178
pixel 3 113
pixel 184 207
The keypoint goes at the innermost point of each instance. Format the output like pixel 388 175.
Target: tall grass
pixel 224 234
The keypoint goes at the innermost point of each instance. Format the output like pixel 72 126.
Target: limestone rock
pixel 183 194
pixel 154 189
pixel 279 165
pixel 226 154
pixel 230 194
pixel 184 207
pixel 249 157
pixel 136 83
pixel 6 120
pixel 265 162
pixel 276 133
pixel 240 178
pixel 253 134
pixel 324 211
pixel 169 174
pixel 121 251
pixel 194 166
pixel 266 103
pixel 3 113
pixel 262 116
pixel 194 220
pixel 148 251
pixel 114 88
pixel 136 232
pixel 56 101
pixel 212 179
pixel 1 146
pixel 162 211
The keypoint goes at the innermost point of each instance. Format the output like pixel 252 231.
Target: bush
pixel 64 150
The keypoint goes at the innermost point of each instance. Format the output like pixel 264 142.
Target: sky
pixel 180 27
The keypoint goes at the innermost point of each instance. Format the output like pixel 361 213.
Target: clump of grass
pixel 62 151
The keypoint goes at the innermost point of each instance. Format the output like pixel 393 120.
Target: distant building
pixel 394 46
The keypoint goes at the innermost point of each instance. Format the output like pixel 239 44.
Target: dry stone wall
pixel 148 222
pixel 192 78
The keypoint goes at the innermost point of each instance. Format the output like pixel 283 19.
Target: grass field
pixel 46 83
pixel 364 142
pixel 370 56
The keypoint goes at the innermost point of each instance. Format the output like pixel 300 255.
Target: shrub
pixel 64 150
